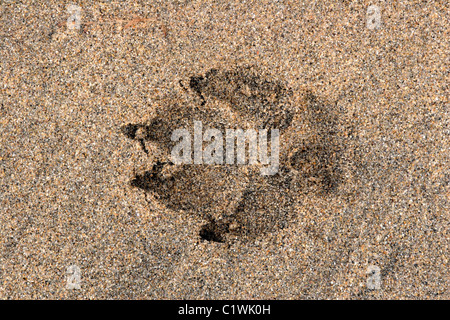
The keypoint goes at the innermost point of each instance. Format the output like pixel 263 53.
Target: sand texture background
pixel 66 166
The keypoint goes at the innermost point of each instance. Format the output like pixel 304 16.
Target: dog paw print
pixel 235 200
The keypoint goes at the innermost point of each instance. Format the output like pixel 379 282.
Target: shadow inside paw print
pixel 236 200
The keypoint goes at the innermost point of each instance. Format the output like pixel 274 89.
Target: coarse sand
pixel 361 212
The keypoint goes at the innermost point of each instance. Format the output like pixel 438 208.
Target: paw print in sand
pixel 235 200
